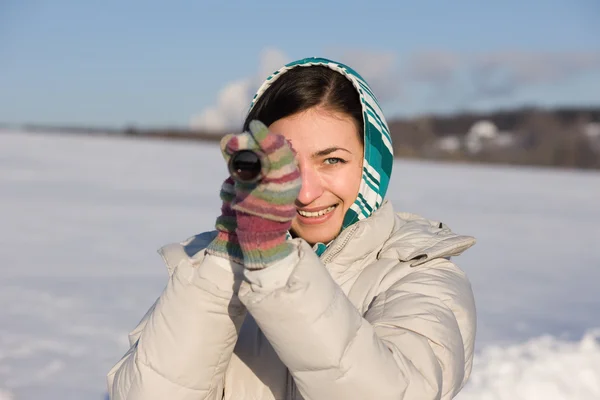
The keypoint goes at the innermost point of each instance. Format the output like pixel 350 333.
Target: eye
pixel 334 160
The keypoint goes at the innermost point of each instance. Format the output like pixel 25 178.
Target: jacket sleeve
pixel 414 342
pixel 182 346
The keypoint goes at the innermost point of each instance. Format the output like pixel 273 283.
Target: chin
pixel 317 234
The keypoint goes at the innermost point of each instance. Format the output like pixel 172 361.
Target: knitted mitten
pixel 265 209
pixel 226 243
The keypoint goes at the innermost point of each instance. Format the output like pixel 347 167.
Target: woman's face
pixel 330 156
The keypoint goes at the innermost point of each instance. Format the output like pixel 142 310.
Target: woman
pixel 311 287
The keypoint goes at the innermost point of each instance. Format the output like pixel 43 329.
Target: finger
pixel 268 141
pixel 239 142
pixel 227 192
pixel 259 131
pixel 224 146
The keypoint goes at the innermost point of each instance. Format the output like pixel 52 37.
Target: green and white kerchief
pixel 378 152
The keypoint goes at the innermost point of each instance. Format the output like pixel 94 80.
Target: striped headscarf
pixel 378 151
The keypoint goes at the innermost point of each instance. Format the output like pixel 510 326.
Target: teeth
pixel 317 213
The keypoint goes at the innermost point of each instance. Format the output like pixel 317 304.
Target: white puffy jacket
pixel 382 314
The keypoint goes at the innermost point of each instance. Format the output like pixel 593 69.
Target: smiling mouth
pixel 315 214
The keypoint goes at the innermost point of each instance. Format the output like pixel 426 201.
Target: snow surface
pixel 81 218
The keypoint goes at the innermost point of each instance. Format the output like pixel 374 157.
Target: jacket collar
pixel 402 236
pixel 417 240
pixel 361 239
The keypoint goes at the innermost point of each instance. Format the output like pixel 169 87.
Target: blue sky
pixel 149 63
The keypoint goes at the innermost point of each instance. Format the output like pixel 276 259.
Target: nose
pixel 312 187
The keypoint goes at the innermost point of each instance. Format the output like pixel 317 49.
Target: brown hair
pixel 302 88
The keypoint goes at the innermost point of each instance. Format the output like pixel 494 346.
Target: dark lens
pixel 245 165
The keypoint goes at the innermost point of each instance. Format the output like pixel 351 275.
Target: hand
pixel 264 209
pixel 226 244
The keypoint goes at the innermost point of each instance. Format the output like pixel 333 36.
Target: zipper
pixel 293 389
pixel 291 385
pixel 326 257
pixel 329 254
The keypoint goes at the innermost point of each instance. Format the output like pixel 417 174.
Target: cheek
pixel 344 183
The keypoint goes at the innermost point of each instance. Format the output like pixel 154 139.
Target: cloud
pixel 271 60
pixel 232 101
pixel 379 69
pixel 234 98
pixel 501 74
pixel 228 112
pixel 493 75
pixel 528 68
pixel 438 68
pixel 431 79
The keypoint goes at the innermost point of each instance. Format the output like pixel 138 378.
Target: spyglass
pixel 245 166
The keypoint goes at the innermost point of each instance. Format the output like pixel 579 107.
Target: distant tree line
pixel 543 137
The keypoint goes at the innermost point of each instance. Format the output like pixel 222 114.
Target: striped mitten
pixel 265 209
pixel 226 244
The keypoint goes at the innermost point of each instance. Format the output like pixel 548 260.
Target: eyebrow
pixel 329 150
